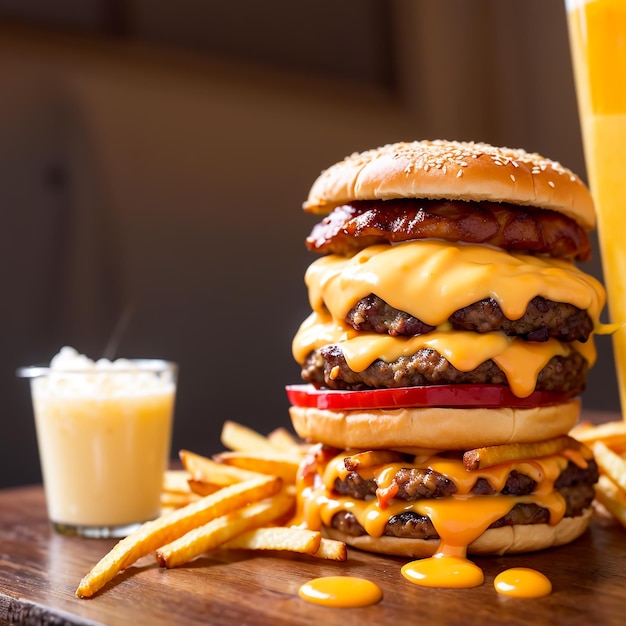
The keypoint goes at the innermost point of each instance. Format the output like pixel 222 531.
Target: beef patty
pixel 327 367
pixel 575 484
pixel 542 320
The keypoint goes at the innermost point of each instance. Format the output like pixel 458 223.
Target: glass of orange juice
pixel 103 433
pixel 597 31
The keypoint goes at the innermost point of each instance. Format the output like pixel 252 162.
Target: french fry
pixel 611 463
pixel 238 499
pixel 218 531
pixel 488 456
pixel 156 533
pixel 243 439
pixel 200 488
pixel 371 458
pixel 608 442
pixel 612 498
pixel 290 539
pixel 206 470
pixel 176 500
pixel 581 430
pixel 612 434
pixel 272 463
pixel 282 440
pixel 332 549
pixel 278 538
pixel 175 481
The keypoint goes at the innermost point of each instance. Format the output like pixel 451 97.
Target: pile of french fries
pixel 240 499
pixel 608 442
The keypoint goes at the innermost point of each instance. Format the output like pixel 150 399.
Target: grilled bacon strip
pixel 352 227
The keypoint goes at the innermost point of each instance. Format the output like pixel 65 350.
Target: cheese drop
pixel 444 570
pixel 341 591
pixel 522 582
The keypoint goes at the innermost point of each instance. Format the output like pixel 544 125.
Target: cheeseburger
pixel 449 341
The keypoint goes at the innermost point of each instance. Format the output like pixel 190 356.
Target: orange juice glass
pixel 597 31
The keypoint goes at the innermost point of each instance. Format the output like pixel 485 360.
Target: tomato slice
pixel 483 396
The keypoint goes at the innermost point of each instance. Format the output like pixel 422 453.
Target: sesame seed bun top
pixel 455 171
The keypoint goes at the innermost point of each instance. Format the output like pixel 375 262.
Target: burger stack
pixel 449 341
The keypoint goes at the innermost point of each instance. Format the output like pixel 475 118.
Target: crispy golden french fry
pixel 208 471
pixel 291 539
pixel 165 529
pixel 581 430
pixel 168 509
pixel 612 434
pixel 201 488
pixel 612 498
pixel 241 438
pixel 291 490
pixel 218 531
pixel 272 463
pixel 176 500
pixel 612 464
pixel 371 458
pixel 278 538
pixel 332 549
pixel 175 481
pixel 282 440
pixel 494 455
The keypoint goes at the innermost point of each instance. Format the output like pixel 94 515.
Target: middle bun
pixel 433 427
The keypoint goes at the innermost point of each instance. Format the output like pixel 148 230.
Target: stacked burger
pixel 447 348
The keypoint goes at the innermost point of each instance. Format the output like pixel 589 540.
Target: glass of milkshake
pixel 103 433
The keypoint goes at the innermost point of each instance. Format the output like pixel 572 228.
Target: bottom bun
pixel 503 540
pixel 433 427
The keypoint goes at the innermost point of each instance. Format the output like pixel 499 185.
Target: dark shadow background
pixel 155 154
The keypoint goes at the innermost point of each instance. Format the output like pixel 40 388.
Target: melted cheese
pixel 444 570
pixel 341 591
pixel 520 360
pixel 458 519
pixel 522 582
pixel 430 280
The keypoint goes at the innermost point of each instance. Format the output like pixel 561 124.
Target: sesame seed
pixel 454 155
pixel 551 184
pixel 512 177
pixel 459 174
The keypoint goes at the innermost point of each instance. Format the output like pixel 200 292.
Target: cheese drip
pixel 431 279
pixel 458 519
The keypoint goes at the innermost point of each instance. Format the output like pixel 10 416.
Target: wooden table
pixel 40 570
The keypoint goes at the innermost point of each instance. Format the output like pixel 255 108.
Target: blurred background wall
pixel 154 156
